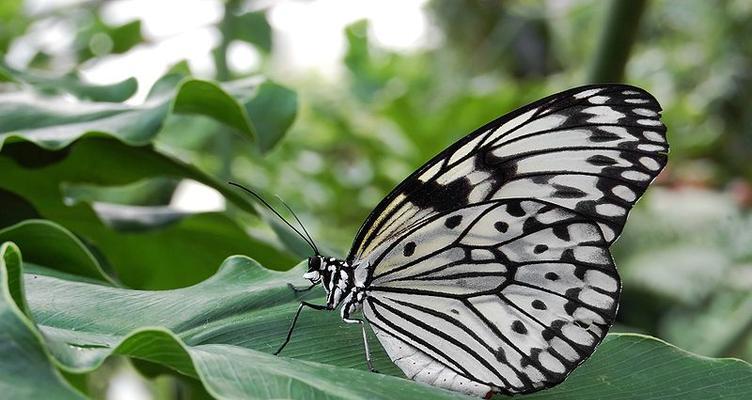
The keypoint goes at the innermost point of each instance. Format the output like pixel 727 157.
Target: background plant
pixel 106 274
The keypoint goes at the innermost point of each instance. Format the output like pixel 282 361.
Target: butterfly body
pixel 344 285
pixel 488 269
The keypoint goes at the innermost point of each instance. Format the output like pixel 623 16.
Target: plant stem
pixel 616 39
pixel 225 142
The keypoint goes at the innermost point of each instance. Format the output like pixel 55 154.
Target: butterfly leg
pixel 295 320
pixel 301 289
pixel 347 319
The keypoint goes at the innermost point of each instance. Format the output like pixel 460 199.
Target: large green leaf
pixel 68 254
pixel 26 371
pixel 227 371
pixel 222 330
pixel 179 254
pixel 274 108
pixel 55 122
pixel 55 144
pixel 206 98
pixel 119 91
pixel 631 366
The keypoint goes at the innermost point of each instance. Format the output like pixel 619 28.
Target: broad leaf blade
pixel 55 122
pixel 274 108
pixel 68 254
pixel 629 366
pixel 26 371
pixel 229 319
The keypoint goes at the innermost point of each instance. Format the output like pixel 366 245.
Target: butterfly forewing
pixel 593 150
pixel 488 268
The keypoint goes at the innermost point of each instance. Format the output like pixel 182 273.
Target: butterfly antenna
pixel 315 248
pixel 261 199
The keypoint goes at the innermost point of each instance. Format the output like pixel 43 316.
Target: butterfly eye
pixel 314 263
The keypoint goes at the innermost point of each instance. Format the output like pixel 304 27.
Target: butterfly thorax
pixel 341 281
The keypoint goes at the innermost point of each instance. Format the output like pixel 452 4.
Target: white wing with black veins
pixel 488 268
pixel 512 294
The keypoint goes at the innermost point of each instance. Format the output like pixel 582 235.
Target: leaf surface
pixel 223 329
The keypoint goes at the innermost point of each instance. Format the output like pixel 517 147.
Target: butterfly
pixel 488 269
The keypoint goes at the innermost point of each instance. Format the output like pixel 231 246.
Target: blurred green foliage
pixel 105 168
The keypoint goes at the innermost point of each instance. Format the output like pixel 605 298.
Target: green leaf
pixel 53 123
pixel 125 36
pixel 13 22
pixel 253 27
pixel 228 308
pixel 68 254
pixel 99 39
pixel 206 98
pixel 72 84
pixel 26 371
pixel 15 209
pixel 274 108
pixel 630 366
pixel 174 255
pixel 222 329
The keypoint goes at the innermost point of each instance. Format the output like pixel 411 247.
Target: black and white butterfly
pixel 488 269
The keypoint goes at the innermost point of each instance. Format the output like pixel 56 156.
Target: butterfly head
pixel 316 268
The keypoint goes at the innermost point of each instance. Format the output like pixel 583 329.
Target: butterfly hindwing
pixel 512 294
pixel 592 150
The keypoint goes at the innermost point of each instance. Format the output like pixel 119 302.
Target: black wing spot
pixel 562 232
pixel 539 305
pixel 548 334
pixel 515 209
pixel 501 226
pixel 568 256
pixel 531 225
pixel 558 324
pixel 409 249
pixel 453 221
pixel 603 136
pixel 500 355
pixel 571 306
pixel 519 327
pixel 441 198
pixel 551 276
pixel 568 192
pixel 540 248
pixel 454 311
pixel 601 161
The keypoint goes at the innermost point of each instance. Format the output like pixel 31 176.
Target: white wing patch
pixel 510 294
